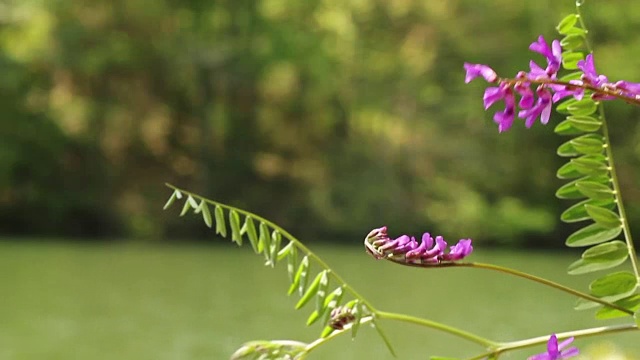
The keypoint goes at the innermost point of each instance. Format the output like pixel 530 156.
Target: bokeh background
pixel 330 117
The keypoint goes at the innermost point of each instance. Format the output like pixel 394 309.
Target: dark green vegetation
pixel 328 117
pixel 117 301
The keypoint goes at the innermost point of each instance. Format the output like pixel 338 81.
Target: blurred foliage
pixel 329 117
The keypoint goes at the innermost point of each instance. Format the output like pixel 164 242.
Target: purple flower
pixel 589 73
pixel 475 70
pixel 459 250
pixel 555 351
pixel 504 119
pixel 541 109
pixel 553 55
pixel 406 249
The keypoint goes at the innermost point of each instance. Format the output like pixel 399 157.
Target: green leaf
pixel 568 171
pixel 632 303
pixel 250 229
pixel 567 150
pixel 600 257
pixel 576 75
pixel 583 107
pixel 206 215
pixel 315 315
pixel 595 190
pixel 284 252
pixel 326 332
pixel 303 279
pixel 221 226
pixel 572 42
pixel 264 240
pixel 614 284
pixel 578 212
pixel 357 311
pixel 577 30
pixel 321 294
pixel 584 123
pixel 234 221
pixel 592 234
pixel 292 259
pixel 583 304
pixel 302 268
pixel 566 128
pixel 562 108
pixel 311 291
pixel 604 217
pixel 185 208
pixel 331 302
pixel 612 250
pixel 588 144
pixel 570 191
pixel 276 239
pixel 570 59
pixel 590 165
pixel 567 23
pixel 175 195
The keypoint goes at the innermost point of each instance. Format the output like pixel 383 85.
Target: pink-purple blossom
pixel 555 351
pixel 405 248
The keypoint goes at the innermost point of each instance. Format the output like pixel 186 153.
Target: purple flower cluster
pixel 530 108
pixel 406 249
pixel 555 351
pixel 550 90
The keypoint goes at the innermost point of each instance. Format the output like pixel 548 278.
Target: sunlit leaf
pixel 572 41
pixel 264 241
pixel 570 62
pixel 584 123
pixel 563 107
pixel 221 226
pixel 613 284
pixel 583 304
pixel 302 268
pixel 567 23
pixel 206 214
pixel 332 301
pixel 588 144
pixel 590 165
pixel 570 191
pixel 234 222
pixel 358 312
pixel 568 171
pixel 632 303
pixel 578 212
pixel 591 235
pixel 583 107
pixel 600 257
pixel 595 190
pixel 276 239
pixel 185 208
pixel 284 252
pixel 292 259
pixel 567 150
pixel 311 291
pixel 249 228
pixel 576 75
pixel 175 195
pixel 566 128
pixel 603 217
pixel 321 294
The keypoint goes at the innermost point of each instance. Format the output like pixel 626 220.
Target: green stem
pixel 290 237
pixel 520 344
pixel 614 176
pixel 435 325
pixel 524 275
pixel 317 343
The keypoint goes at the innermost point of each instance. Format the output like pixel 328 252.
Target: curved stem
pixel 438 326
pixel 614 176
pixel 290 237
pixel 539 340
pixel 523 275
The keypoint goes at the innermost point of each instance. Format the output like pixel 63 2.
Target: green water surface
pixel 185 301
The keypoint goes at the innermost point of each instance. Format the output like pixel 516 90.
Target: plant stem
pixel 435 325
pixel 614 176
pixel 521 344
pixel 524 275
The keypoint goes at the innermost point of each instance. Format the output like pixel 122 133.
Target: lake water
pixel 148 301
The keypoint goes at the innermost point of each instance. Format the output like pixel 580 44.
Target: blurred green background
pixel 330 117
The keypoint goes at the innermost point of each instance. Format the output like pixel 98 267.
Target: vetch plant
pixel 567 79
